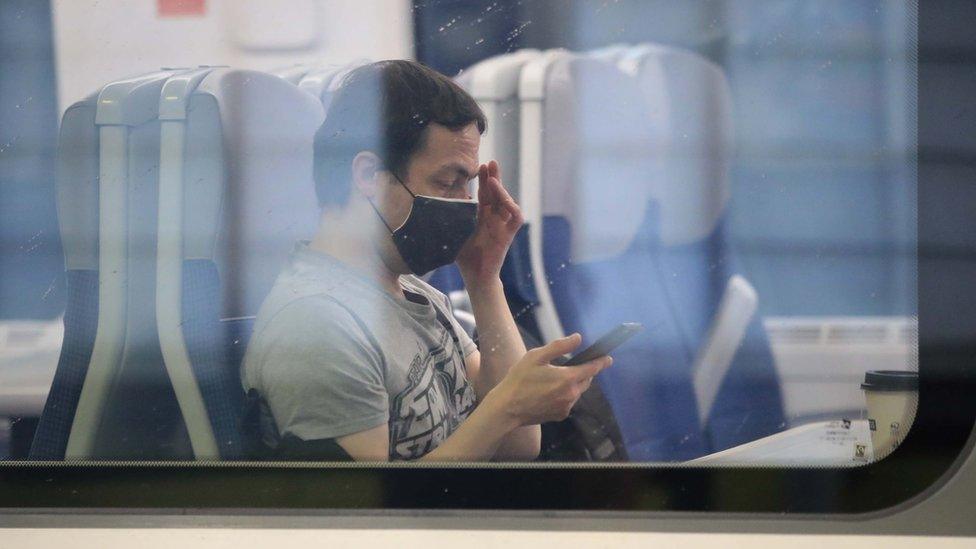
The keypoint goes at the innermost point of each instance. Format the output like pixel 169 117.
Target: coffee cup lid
pixel 890 380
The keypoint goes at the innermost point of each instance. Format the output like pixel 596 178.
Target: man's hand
pixel 535 391
pixel 499 218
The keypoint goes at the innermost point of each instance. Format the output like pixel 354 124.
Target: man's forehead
pixel 452 149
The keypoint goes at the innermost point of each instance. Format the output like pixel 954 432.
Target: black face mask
pixel 434 231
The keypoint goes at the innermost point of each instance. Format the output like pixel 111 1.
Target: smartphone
pixel 613 339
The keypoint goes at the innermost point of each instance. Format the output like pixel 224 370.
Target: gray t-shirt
pixel 334 354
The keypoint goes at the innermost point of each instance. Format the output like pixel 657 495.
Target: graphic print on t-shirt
pixel 435 401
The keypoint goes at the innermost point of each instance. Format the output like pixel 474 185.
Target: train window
pixel 645 254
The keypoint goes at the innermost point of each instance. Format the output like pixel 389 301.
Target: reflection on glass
pixel 277 259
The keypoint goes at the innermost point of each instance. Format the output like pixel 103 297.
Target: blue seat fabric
pixel 675 293
pixel 80 324
pixel 215 358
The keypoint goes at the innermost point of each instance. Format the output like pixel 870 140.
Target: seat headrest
pixel 598 167
pixel 76 183
pixel 259 128
pixel 335 77
pixel 316 80
pixel 612 53
pixel 292 73
pixel 495 78
pixel 494 84
pixel 691 97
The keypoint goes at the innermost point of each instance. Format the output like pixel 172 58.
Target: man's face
pixel 447 163
pixel 444 167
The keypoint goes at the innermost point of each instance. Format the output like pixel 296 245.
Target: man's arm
pixel 480 263
pixel 532 392
pixel 501 346
pixel 476 439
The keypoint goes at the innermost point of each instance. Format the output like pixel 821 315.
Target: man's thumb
pixel 560 347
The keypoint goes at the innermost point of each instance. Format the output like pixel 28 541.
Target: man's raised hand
pixel 499 219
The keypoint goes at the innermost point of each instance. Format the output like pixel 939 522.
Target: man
pixel 355 355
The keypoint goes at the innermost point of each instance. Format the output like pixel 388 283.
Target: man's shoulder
pixel 298 314
pixel 301 292
pixel 300 332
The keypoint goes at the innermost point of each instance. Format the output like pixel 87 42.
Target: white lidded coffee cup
pixel 892 400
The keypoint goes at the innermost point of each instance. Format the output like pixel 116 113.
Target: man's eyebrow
pixel 459 169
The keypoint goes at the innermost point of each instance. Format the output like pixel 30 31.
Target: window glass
pixel 736 177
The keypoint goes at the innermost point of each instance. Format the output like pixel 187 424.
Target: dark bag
pixel 590 433
pixel 290 448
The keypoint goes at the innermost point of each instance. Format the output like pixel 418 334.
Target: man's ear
pixel 366 176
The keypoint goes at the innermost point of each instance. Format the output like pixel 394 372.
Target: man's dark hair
pixel 385 107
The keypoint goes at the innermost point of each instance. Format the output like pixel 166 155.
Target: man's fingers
pixel 490 220
pixel 584 385
pixel 559 347
pixel 482 184
pixel 505 204
pixel 495 205
pixel 514 223
pixel 591 368
pixel 488 188
pixel 497 199
pixel 503 195
pixel 500 199
pixel 504 214
pixel 513 209
pixel 498 193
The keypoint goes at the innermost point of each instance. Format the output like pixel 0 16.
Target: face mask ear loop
pixel 379 215
pixel 404 185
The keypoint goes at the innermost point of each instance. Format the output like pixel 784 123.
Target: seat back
pixel 181 193
pixel 236 193
pixel 627 183
pixel 77 199
pixel 694 259
pixel 587 180
pixel 108 160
